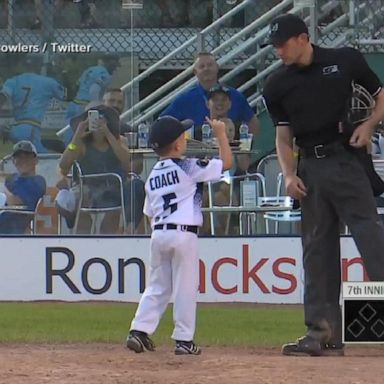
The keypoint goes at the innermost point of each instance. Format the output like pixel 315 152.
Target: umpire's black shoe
pixel 305 345
pixel 332 349
pixel 186 348
pixel 139 342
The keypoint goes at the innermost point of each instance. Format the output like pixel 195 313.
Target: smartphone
pixel 93 119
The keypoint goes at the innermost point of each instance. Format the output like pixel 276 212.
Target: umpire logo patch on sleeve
pixel 202 163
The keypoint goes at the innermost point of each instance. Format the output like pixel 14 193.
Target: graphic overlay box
pixel 363 312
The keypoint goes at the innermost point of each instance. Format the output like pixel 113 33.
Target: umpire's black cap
pixel 283 27
pixel 165 130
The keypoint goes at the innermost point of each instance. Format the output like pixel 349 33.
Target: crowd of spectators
pixel 104 13
pixel 111 13
pixel 193 103
pixel 21 188
pixel 106 149
pixel 103 149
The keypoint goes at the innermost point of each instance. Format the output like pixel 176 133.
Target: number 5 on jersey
pixel 167 204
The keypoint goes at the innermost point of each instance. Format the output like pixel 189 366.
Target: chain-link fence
pixel 153 28
pixel 151 31
pixel 71 35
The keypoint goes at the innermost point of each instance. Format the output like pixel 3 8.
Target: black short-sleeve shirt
pixel 312 99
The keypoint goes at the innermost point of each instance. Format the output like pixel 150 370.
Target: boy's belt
pixel 184 228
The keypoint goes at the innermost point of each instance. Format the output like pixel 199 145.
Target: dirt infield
pixel 107 364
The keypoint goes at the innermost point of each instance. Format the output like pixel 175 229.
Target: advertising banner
pixel 258 270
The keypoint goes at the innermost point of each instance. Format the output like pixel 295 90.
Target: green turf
pixel 218 324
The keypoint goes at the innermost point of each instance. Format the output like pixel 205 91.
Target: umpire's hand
pixel 361 136
pixel 295 187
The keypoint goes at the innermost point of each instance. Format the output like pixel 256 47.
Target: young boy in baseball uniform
pixel 173 202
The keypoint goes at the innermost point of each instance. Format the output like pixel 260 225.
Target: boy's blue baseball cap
pixel 165 130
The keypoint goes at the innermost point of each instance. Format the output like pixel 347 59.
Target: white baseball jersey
pixel 174 190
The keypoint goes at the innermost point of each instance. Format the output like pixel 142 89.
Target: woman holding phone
pixel 98 148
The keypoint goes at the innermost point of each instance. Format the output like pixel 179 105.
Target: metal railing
pixel 259 28
pixel 142 32
pixel 155 107
pixel 198 38
pixel 197 41
pixel 340 31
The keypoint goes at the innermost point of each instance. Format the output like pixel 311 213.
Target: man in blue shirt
pixel 30 94
pixel 193 103
pixel 23 187
pixel 92 84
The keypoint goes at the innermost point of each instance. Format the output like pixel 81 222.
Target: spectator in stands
pixel 377 151
pixel 192 103
pixel 173 13
pixel 92 84
pixel 219 105
pixel 377 144
pixel 23 187
pixel 41 8
pixel 87 10
pixel 29 95
pixel 96 151
pixel 135 195
pixel 114 98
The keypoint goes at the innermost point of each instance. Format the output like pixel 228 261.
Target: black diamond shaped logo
pixel 378 328
pixel 367 312
pixel 356 328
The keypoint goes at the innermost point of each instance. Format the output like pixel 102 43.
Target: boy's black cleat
pixel 138 342
pixel 186 348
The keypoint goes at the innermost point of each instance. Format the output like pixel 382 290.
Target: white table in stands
pixel 266 204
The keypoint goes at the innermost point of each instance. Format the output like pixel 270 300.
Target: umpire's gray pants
pixel 338 189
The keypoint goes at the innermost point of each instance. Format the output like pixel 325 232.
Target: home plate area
pixel 112 363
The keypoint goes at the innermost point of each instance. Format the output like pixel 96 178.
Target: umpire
pixel 306 99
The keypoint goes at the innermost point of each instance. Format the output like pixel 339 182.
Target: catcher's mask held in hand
pixel 359 108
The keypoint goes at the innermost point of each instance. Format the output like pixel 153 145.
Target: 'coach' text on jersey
pixel 174 190
pixel 164 180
